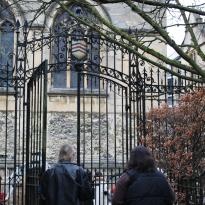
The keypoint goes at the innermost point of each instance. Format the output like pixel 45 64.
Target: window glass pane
pixel 60 52
pixel 6 51
pixel 94 60
pixel 60 58
pixel 73 77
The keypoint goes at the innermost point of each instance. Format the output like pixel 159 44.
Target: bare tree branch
pixel 165 35
pixel 126 46
pixel 167 4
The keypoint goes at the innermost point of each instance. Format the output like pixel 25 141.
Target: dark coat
pixel 149 188
pixel 65 184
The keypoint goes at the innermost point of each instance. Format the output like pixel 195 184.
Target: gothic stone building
pixel 93 99
pixel 102 103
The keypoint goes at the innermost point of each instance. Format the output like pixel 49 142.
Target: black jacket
pixel 65 184
pixel 150 189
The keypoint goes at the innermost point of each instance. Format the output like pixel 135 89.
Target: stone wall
pixel 7 134
pixel 102 139
pixel 98 139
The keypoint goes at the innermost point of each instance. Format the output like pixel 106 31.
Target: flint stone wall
pixel 62 128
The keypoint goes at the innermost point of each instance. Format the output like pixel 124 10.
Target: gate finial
pixel 18 25
pixel 25 26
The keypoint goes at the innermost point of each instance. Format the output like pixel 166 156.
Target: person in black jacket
pixel 142 183
pixel 65 183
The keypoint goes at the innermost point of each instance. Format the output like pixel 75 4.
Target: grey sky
pixel 177 32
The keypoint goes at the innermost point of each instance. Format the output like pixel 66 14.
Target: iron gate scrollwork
pixel 104 132
pixel 36 132
pixel 103 114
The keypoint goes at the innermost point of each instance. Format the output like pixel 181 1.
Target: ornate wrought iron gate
pixel 98 104
pixel 107 107
pixel 36 129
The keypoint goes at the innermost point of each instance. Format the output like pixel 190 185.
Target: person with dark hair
pixel 65 183
pixel 142 183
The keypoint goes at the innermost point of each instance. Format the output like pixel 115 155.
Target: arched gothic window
pixel 6 45
pixel 64 29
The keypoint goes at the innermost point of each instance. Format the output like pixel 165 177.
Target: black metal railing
pixel 114 97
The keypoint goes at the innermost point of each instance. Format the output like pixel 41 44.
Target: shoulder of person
pixel 127 175
pixel 82 171
pixel 48 173
pixel 131 172
pixel 70 164
pixel 77 168
pixel 73 169
pixel 159 174
pixel 67 165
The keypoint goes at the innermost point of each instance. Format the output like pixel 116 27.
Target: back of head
pixel 141 159
pixel 66 153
